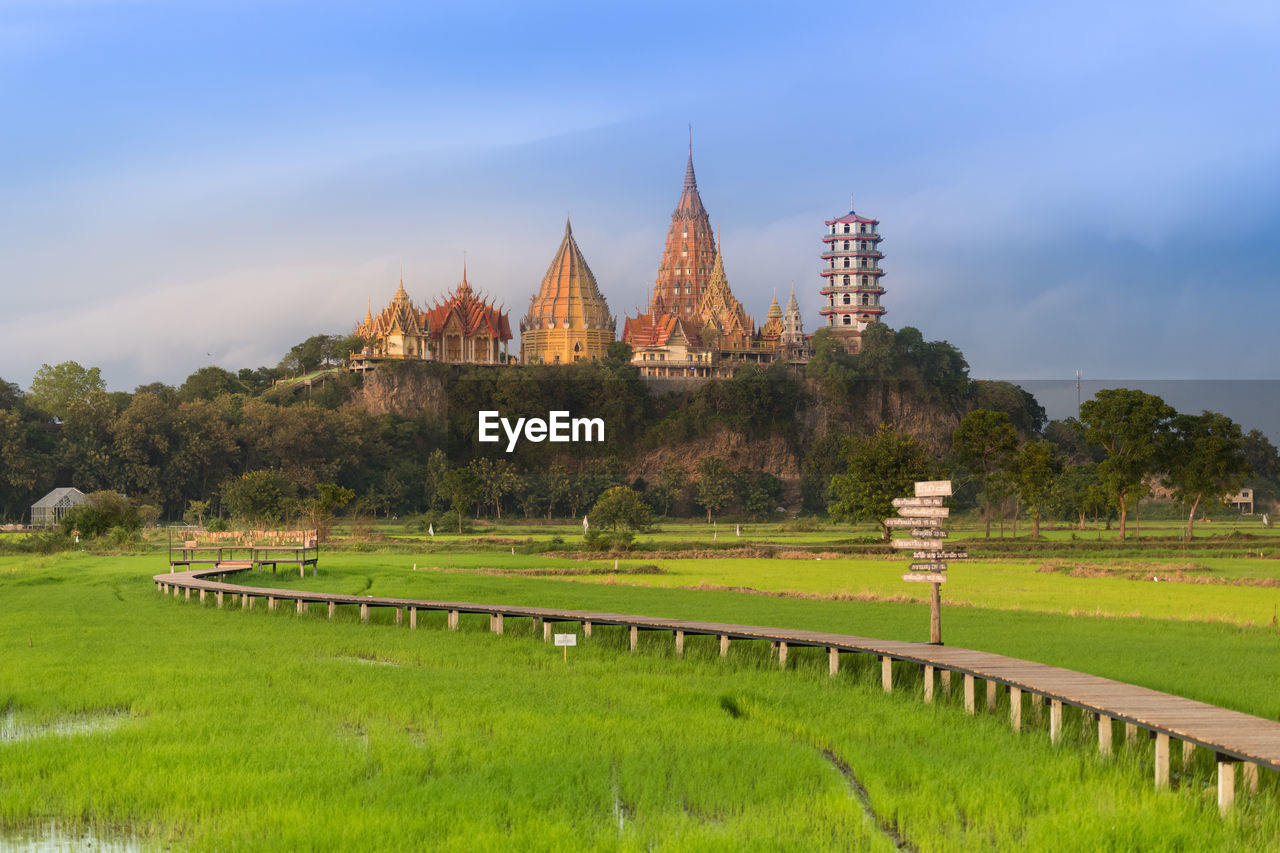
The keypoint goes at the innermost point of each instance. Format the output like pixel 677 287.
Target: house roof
pixel 64 497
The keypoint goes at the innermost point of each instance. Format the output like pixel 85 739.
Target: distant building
pixel 49 510
pixel 1242 501
pixel 851 274
pixel 568 318
pixel 399 331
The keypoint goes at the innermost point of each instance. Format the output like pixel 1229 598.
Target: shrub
pixel 608 540
pixel 100 512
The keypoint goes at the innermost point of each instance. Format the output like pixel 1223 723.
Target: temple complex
pixel 568 318
pixel 464 329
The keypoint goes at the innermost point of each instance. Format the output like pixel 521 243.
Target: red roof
pixel 853 217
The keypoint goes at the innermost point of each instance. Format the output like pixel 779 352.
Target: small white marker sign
pixel 907 544
pixel 928 533
pixel 923 511
pixel 928 567
pixel 930 488
pixel 911 522
pixel 566 639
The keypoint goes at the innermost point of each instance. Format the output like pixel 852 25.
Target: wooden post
pixel 453 620
pixel 1162 761
pixel 724 645
pixel 586 629
pixel 782 655
pixel 991 695
pixel 1226 782
pixel 886 673
pixel 635 637
pixel 364 611
pixel 1249 771
pixel 546 631
pixel 1104 734
pixel 833 661
pixel 271 602
pixel 244 601
pixel 302 570
pixel 495 623
pixel 1131 733
pixel 935 614
pixel 1015 708
pixel 413 618
pixel 679 644
pixel 202 592
pixel 187 590
pixel 946 682
pixel 928 683
pixel 1055 721
pixel 1188 754
pixel 301 606
pixel 219 598
pixel 252 600
pixel 333 606
pixel 968 693
pixel 399 616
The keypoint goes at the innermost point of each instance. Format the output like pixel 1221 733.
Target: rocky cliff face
pixel 902 406
pixel 402 392
pixel 772 455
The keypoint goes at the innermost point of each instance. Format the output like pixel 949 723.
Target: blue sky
pixel 1092 186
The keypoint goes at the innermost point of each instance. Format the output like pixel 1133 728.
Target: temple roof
pixel 690 204
pixel 399 317
pixel 793 307
pixel 568 296
pixel 470 311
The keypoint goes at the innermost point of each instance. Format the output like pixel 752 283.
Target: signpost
pixel 923 515
pixel 566 640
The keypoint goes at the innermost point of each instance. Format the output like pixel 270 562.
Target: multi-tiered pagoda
pixel 851 274
pixel 568 317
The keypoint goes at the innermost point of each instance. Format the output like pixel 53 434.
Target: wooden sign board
pixel 930 488
pixel 925 578
pixel 566 639
pixel 938 555
pixel 923 511
pixel 928 567
pixel 904 544
pixel 916 502
pixel 911 522
pixel 928 533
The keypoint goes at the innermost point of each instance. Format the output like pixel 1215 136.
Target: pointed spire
pixel 568 229
pixel 690 181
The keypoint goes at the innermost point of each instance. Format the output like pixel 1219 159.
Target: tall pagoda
pixel 851 274
pixel 568 318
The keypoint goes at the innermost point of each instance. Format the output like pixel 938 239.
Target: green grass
pixel 238 729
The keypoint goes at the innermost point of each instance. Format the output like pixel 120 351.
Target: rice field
pixel 168 724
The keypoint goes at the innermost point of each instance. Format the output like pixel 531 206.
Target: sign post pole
pixel 924 514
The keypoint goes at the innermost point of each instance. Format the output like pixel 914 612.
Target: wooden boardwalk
pixel 1233 737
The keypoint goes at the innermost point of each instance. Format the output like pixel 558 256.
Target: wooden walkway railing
pixel 1233 737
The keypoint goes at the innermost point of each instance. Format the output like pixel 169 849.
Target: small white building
pixel 1242 501
pixel 49 510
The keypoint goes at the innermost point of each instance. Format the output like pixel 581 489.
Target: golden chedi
pixel 568 319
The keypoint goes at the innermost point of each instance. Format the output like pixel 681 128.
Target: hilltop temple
pixel 461 329
pixel 694 325
pixel 568 318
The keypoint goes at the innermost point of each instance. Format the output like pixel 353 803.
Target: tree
pixel 985 440
pixel 461 488
pixel 758 492
pixel 437 467
pixel 320 509
pixel 621 508
pixel 497 479
pixel 1078 490
pixel 100 512
pixel 1035 468
pixel 196 511
pixel 209 383
pixel 714 488
pixel 55 389
pixel 559 486
pixel 1130 427
pixel 673 484
pixel 880 468
pixel 1204 461
pixel 261 498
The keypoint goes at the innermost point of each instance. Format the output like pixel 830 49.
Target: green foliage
pixel 714 488
pixel 758 493
pixel 56 389
pixel 209 383
pixel 984 442
pixel 621 508
pixel 497 479
pixel 1036 468
pixel 879 468
pixel 608 540
pixel 260 498
pixel 824 459
pixel 1025 414
pixel 101 512
pixel 462 488
pixel 1130 426
pixel 1204 460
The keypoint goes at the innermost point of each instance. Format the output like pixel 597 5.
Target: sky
pixel 1091 186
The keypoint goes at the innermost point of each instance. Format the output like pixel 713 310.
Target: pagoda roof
pixel 569 296
pixel 853 217
pixel 471 311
